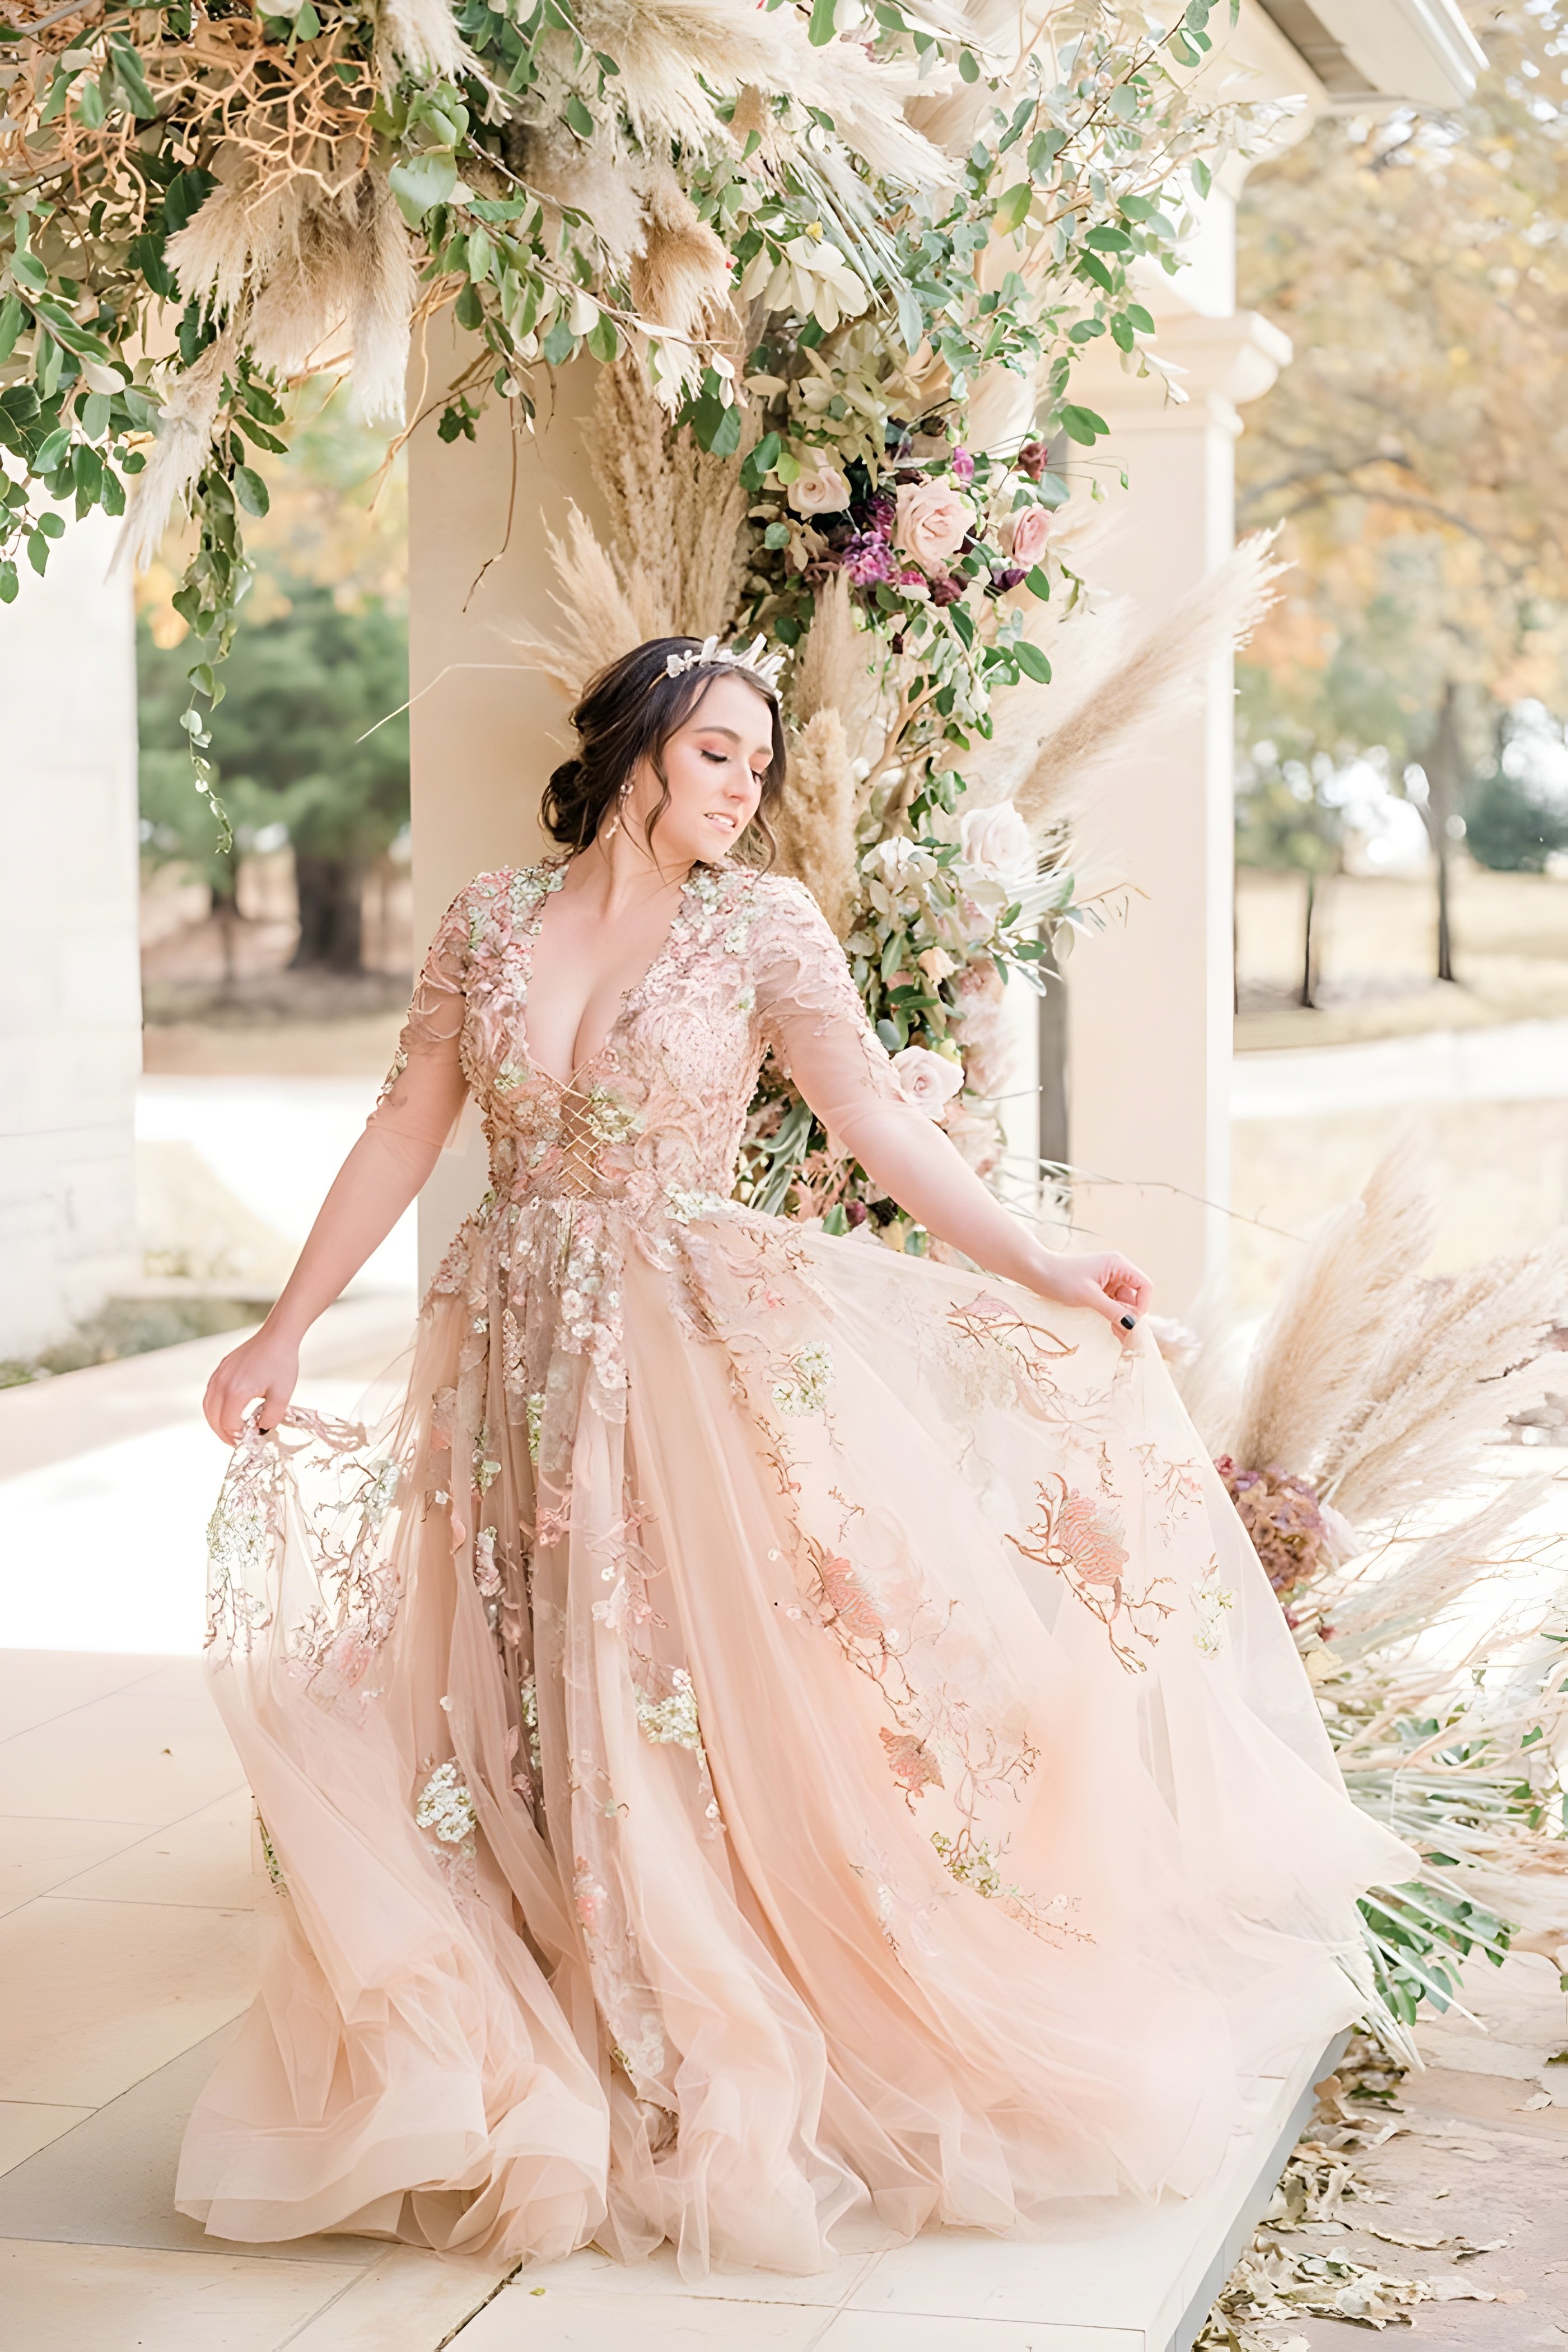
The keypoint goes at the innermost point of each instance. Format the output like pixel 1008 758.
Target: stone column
pixel 70 1010
pixel 484 737
pixel 1150 1001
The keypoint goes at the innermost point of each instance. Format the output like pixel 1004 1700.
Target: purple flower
pixel 1008 579
pixel 868 558
pixel 1032 459
pixel 962 465
pixel 946 592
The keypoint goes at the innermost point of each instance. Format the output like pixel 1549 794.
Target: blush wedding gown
pixel 777 1742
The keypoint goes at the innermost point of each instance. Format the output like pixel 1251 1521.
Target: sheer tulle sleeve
pixel 811 1015
pixel 816 1024
pixel 424 1092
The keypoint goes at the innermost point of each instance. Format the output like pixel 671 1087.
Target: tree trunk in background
pixel 331 892
pixel 1309 976
pixel 1444 765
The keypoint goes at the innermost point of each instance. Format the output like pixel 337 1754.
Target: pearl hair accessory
pixel 763 668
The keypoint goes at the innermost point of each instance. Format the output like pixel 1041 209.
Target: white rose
pixel 995 840
pixel 822 490
pixel 896 861
pixel 928 1080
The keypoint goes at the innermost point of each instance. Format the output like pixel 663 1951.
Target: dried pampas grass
pixel 1312 1353
pixel 680 278
pixel 833 669
pixel 1455 1357
pixel 668 563
pixel 675 56
pixel 180 449
pixel 603 617
pixel 323 262
pixel 814 825
pixel 424 34
pixel 1161 677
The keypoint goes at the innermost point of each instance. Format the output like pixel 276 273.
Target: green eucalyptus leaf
pixel 1032 661
pixel 250 491
pixel 422 181
pixel 11 318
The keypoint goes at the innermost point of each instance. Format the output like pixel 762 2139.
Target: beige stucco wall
pixel 483 738
pixel 70 1011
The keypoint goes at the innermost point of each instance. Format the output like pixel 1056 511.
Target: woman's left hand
pixel 1102 1280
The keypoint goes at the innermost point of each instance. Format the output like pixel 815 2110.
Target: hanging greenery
pixel 202 200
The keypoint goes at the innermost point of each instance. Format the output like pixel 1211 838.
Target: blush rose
pixel 932 522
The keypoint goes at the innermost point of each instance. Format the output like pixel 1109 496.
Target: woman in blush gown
pixel 778 1743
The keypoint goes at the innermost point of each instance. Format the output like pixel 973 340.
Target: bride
pixel 780 1743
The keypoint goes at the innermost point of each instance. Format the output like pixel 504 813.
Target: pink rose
pixel 1025 532
pixel 933 521
pixel 823 488
pixel 928 1080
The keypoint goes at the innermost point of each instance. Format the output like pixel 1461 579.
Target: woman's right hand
pixel 265 1366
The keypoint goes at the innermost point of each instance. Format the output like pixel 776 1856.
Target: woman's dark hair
pixel 629 713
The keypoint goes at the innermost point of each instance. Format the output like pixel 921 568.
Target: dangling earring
pixel 615 825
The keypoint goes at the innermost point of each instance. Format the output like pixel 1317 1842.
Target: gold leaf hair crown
pixel 763 668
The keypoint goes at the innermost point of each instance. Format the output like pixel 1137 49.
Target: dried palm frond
pixel 1159 679
pixel 814 825
pixel 1313 1351
pixel 181 449
pixel 1463 1353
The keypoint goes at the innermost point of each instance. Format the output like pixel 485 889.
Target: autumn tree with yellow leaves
pixel 1417 451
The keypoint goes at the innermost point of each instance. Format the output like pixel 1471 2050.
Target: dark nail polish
pixel 1128 1322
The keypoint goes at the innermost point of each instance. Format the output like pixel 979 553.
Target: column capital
pixel 1223 361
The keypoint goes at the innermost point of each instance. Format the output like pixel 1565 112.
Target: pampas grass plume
pixel 814 822
pixel 1313 1351
pixel 1161 677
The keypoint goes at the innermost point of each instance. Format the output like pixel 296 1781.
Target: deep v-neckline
pixel 551 869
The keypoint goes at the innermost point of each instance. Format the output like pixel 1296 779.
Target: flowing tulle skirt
pixel 779 1745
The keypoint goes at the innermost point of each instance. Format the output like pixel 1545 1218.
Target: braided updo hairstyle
pixel 628 714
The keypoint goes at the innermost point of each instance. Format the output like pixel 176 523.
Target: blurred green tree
pixel 323 655
pixel 303 687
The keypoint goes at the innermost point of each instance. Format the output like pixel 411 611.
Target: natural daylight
pixel 784 1175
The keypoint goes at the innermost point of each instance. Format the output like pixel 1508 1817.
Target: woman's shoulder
pixel 504 891
pixel 778 894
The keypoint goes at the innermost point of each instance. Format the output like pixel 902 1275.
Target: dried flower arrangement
pixel 1436 1629
pixel 717 189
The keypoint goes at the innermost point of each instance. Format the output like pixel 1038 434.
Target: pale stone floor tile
pixel 111 2180
pixel 593 2273
pixel 122 2299
pixel 36 1684
pixel 129 1757
pixel 877 2331
pixel 38 1851
pixel 409 2301
pixel 102 1993
pixel 207 1859
pixel 559 2319
pixel 24 2128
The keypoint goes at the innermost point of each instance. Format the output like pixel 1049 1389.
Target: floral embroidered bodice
pixel 652 1121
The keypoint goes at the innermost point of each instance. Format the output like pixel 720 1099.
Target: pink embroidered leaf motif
pixel 912 1765
pixel 1084 1542
pixel 848 1599
pixel 1029 1349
